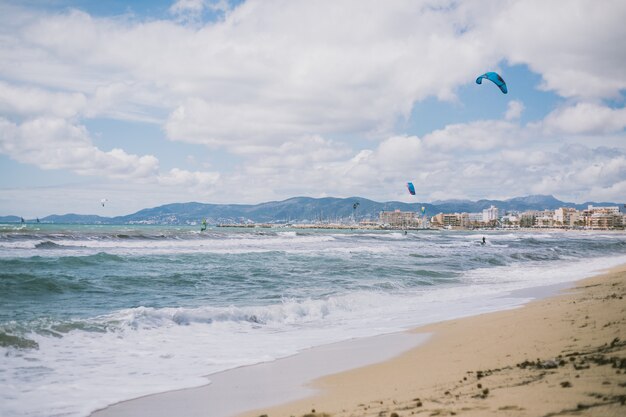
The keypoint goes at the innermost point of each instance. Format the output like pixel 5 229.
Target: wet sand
pixel 560 356
pixel 564 355
pixel 268 383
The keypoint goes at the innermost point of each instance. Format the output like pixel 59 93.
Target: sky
pixel 145 103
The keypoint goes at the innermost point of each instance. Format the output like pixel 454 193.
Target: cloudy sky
pixel 152 102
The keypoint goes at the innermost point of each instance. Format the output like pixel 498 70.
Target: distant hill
pixel 531 202
pixel 304 209
pixel 76 218
pixel 297 209
pixel 10 219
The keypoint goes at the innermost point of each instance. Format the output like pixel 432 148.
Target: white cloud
pixel 514 110
pixel 602 172
pixel 525 157
pixel 116 100
pixel 577 170
pixel 343 56
pixel 29 101
pixel 311 163
pixel 457 163
pixel 586 118
pixel 180 177
pixel 493 159
pixel 608 193
pixel 279 84
pixel 353 68
pixel 482 135
pixel 53 143
pixel 577 45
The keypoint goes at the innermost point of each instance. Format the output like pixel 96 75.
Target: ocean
pixel 92 315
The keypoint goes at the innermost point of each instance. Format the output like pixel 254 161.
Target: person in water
pixel 484 241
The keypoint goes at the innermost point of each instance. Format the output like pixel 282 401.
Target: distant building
pixel 544 221
pixel 369 223
pixel 609 217
pixel 566 216
pixel 605 220
pixel 451 220
pixel 490 215
pixel 399 218
pixel 608 209
pixel 472 219
pixel 510 220
pixel 602 217
pixel 527 218
pixel 475 217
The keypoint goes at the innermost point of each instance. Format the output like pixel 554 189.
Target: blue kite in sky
pixel 410 187
pixel 495 77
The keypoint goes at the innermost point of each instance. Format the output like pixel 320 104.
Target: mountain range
pixel 304 209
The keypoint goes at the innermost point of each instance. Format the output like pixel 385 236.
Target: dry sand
pixel 560 356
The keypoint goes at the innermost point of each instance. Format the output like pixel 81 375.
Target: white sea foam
pixel 221 245
pixel 147 350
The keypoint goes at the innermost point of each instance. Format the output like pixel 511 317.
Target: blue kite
pixel 411 188
pixel 495 78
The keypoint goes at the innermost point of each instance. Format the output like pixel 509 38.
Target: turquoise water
pixel 132 310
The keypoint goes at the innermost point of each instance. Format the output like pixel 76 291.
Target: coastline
pixel 441 376
pixel 561 355
pixel 268 383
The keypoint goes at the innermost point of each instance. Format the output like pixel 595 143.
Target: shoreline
pixel 380 227
pixel 237 390
pixel 326 392
pixel 560 355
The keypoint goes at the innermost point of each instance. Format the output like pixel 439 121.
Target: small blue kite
pixel 495 78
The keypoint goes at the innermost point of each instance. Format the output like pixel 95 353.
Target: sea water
pixel 93 315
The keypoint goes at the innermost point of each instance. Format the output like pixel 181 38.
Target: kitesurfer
pixel 484 241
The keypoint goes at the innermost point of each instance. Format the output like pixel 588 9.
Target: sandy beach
pixel 556 356
pixel 560 356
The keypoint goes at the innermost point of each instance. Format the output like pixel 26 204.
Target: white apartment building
pixel 471 219
pixel 490 214
pixel 475 217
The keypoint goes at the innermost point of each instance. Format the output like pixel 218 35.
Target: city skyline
pixel 321 210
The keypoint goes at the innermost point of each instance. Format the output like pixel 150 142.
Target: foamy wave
pixel 289 312
pixel 535 274
pixel 357 284
pixel 222 244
